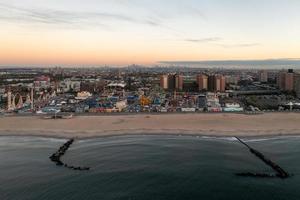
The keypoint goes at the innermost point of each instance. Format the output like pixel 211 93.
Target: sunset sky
pixel 122 32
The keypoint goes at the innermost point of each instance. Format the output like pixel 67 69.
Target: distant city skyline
pixel 148 32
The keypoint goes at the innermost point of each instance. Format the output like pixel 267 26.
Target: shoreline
pixel 52 136
pixel 222 125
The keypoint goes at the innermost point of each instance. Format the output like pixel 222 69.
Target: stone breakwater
pixel 280 172
pixel 56 157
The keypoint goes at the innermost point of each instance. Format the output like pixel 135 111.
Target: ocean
pixel 145 167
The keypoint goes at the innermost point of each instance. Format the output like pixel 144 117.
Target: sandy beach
pixel 194 124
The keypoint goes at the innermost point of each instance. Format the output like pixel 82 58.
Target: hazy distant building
pixel 281 80
pixel 263 76
pixel 202 81
pixel 232 80
pixel 285 80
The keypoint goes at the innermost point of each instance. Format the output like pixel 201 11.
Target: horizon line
pixel 246 62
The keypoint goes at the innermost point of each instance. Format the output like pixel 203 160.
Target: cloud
pixel 59 17
pixel 152 22
pixel 195 11
pixel 242 45
pixel 204 40
pixel 295 62
pixel 217 40
pixel 145 15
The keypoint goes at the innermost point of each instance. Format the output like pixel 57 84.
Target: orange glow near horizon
pixel 93 33
pixel 51 51
pixel 69 48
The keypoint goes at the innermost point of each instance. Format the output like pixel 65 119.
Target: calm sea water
pixel 147 167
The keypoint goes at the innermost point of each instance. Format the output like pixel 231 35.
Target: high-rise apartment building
pixel 297 84
pixel 171 82
pixel 202 81
pixel 285 80
pixel 216 83
pixel 164 82
pixel 179 82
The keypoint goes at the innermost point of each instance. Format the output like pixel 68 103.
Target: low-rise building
pixel 233 107
pixel 213 103
pixel 69 85
pixel 83 95
pixel 42 82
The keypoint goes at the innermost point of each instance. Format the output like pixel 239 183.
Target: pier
pixel 280 173
pixel 56 157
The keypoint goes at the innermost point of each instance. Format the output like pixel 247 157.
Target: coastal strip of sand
pixel 191 124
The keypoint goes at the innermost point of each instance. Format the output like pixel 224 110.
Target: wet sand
pixel 179 124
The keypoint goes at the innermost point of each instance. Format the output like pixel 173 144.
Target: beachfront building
pixel 202 102
pixel 233 107
pixel 121 105
pixel 213 103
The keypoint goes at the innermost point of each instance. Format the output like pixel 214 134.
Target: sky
pixel 123 32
